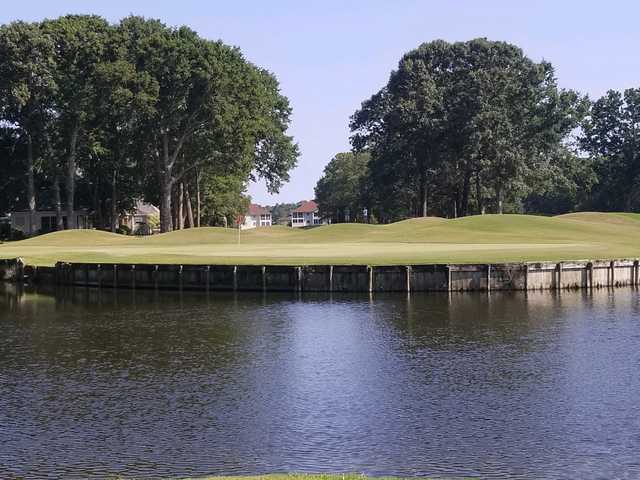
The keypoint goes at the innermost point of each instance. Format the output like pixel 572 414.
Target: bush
pixel 8 233
pixel 123 230
pixel 153 221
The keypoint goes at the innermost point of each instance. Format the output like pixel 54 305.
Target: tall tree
pixel 339 192
pixel 452 114
pixel 210 101
pixel 611 135
pixel 80 44
pixel 26 89
pixel 124 99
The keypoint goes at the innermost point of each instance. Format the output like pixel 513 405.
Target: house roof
pixel 255 209
pixel 307 206
pixel 143 208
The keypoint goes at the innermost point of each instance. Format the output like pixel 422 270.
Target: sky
pixel 331 55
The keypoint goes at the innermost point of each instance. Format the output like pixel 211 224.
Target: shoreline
pixel 333 278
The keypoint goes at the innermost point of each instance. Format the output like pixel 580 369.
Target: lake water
pixel 146 385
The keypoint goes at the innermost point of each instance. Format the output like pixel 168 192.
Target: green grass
pixel 476 239
pixel 301 476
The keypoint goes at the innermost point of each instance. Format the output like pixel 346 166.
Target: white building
pixel 257 216
pixel 45 221
pixel 306 215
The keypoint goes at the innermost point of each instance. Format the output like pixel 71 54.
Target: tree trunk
pixel 58 200
pixel 464 201
pixel 181 206
pixel 499 198
pixel 31 187
pixel 114 202
pixel 198 204
pixel 479 198
pixel 71 179
pixel 97 211
pixel 166 185
pixel 187 198
pixel 423 193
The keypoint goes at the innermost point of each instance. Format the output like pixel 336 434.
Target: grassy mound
pixel 74 237
pixel 481 239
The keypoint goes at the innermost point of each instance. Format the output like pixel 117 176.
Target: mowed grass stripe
pixel 477 239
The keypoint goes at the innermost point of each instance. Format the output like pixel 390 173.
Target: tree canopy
pixel 463 127
pixel 137 110
pixel 341 190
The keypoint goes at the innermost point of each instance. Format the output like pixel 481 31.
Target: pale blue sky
pixel 331 55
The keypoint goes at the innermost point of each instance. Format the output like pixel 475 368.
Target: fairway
pixel 476 239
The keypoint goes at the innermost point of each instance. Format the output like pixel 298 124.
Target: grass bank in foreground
pixel 476 239
pixel 301 476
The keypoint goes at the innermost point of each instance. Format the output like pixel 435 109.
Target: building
pixel 45 221
pixel 257 216
pixel 144 220
pixel 306 215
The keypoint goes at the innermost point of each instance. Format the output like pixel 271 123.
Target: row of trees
pixel 98 115
pixel 470 127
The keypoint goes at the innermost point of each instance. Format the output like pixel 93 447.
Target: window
pixel 297 218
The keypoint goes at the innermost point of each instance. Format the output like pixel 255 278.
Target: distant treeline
pixel 97 115
pixel 473 127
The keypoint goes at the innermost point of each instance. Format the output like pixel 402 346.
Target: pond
pixel 167 384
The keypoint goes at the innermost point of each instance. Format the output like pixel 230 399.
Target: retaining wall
pixel 337 278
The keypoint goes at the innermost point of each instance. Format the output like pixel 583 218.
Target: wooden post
pixel 155 277
pixel 99 275
pixel 264 278
pixel 526 277
pixel 20 270
pixel 559 276
pixel 370 268
pixel 331 278
pixel 408 272
pixel 115 275
pixel 636 272
pixel 590 275
pixel 133 277
pixel 299 279
pixel 235 278
pixel 207 272
pixel 449 287
pixel 180 276
pixel 488 278
pixel 612 266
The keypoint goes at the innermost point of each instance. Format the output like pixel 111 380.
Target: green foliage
pixel 223 199
pixel 460 126
pixel 610 136
pixel 281 213
pixel 123 230
pixel 339 191
pixel 135 110
pixel 153 221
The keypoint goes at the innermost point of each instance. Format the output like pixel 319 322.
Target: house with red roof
pixel 306 215
pixel 256 216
